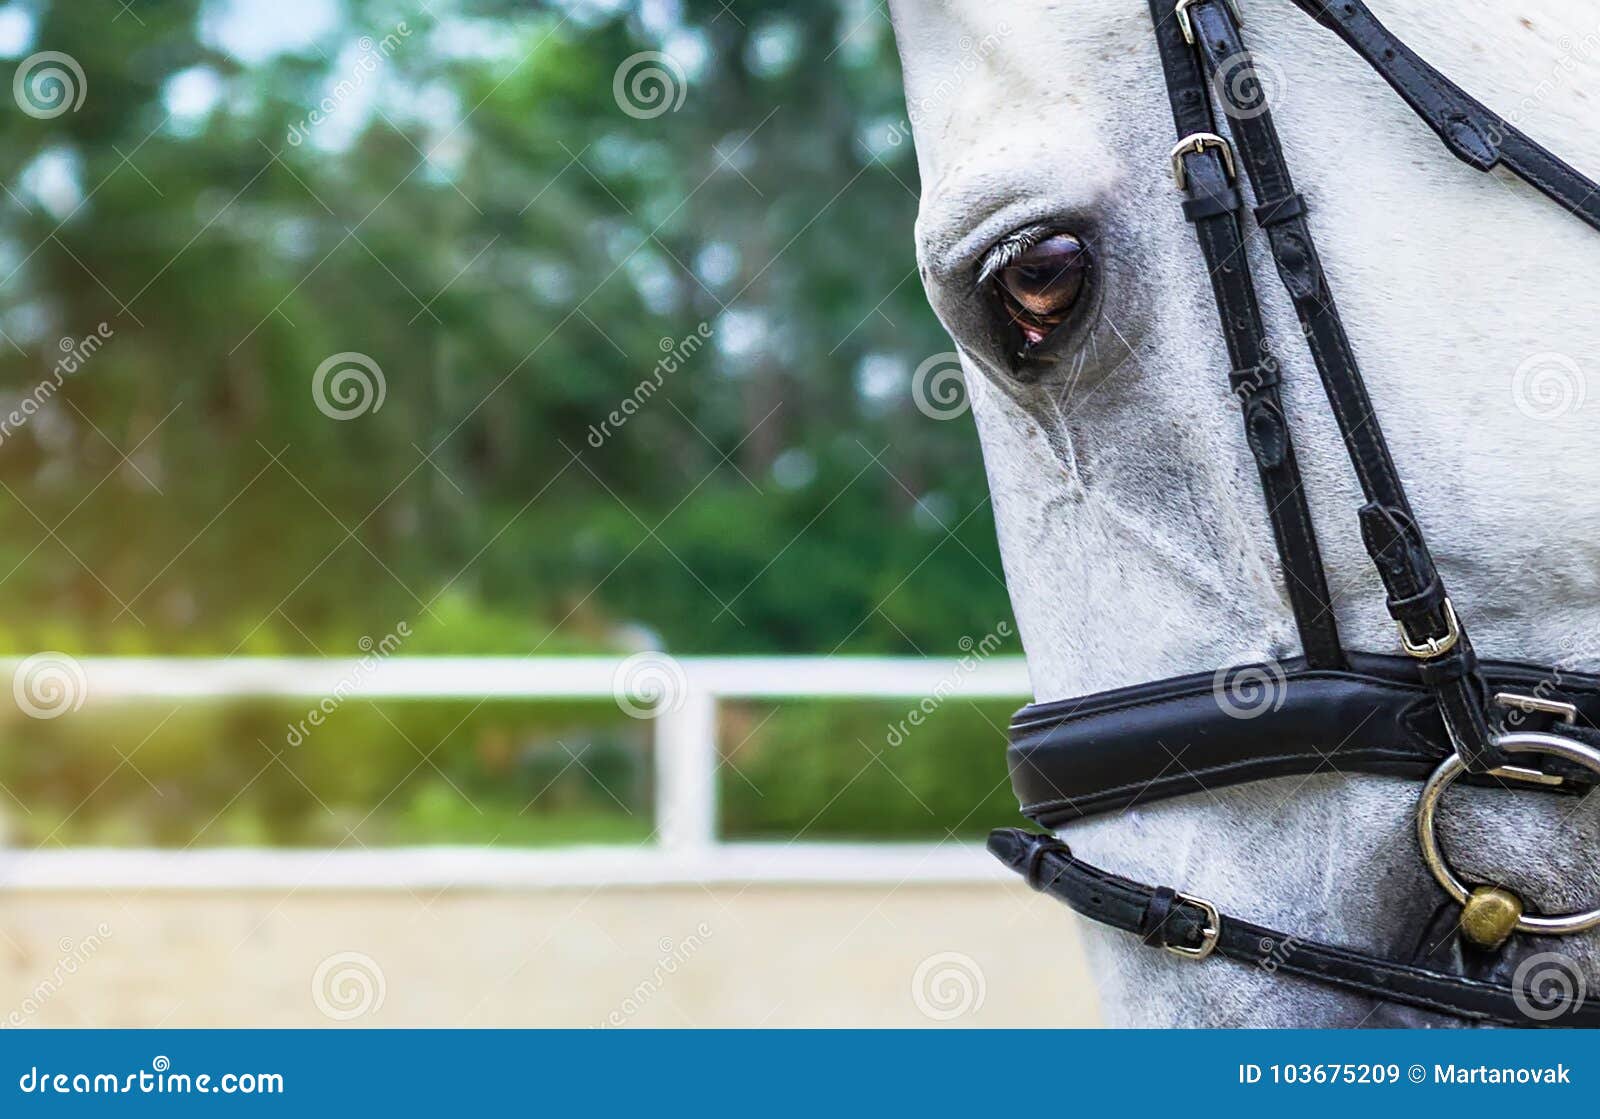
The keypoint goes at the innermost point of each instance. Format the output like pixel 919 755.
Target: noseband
pixel 1435 712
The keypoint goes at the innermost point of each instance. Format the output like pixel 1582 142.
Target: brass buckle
pixel 1209 935
pixel 1434 646
pixel 1187 24
pixel 1194 144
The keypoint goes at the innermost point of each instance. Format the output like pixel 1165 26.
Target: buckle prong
pixel 1194 144
pixel 1434 646
pixel 1210 934
pixel 1186 22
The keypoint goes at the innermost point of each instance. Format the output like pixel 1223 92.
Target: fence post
pixel 686 773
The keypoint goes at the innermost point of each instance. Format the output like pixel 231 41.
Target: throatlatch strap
pixel 1416 594
pixel 1212 204
pixel 1474 133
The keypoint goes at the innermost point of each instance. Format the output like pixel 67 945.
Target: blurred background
pixel 370 330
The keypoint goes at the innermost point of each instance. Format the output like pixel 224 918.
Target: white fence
pixel 687 847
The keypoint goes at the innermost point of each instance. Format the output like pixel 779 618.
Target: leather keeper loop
pixel 1254 379
pixel 1447 669
pixel 1153 929
pixel 1211 204
pixel 1427 605
pixel 1280 210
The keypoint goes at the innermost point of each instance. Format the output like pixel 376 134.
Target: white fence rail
pixel 686 756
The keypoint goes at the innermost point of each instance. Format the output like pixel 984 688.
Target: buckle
pixel 1537 705
pixel 1187 25
pixel 1433 646
pixel 1209 934
pixel 1194 144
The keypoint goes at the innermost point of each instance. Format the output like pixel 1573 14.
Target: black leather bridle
pixel 1435 713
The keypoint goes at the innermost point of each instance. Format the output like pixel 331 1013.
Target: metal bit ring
pixel 1523 742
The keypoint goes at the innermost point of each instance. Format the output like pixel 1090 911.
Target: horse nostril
pixel 1041 285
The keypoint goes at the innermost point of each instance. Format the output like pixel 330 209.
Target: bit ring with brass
pixel 1522 742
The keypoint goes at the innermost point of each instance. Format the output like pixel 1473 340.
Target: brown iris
pixel 1042 285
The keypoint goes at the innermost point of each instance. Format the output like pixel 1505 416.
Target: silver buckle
pixel 1434 646
pixel 1209 935
pixel 1532 704
pixel 1194 144
pixel 1537 705
pixel 1184 22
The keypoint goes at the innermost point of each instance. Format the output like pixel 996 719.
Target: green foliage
pixel 514 251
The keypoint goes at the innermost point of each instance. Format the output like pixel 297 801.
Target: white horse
pixel 1131 523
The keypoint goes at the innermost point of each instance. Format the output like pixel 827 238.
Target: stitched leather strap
pixel 1416 594
pixel 1165 920
pixel 1212 204
pixel 1473 133
pixel 1208 731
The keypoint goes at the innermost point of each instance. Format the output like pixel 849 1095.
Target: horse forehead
pixel 974 66
pixel 1013 100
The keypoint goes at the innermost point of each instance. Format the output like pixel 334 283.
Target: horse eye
pixel 1041 286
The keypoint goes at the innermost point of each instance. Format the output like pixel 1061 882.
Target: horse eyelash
pixel 1008 249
